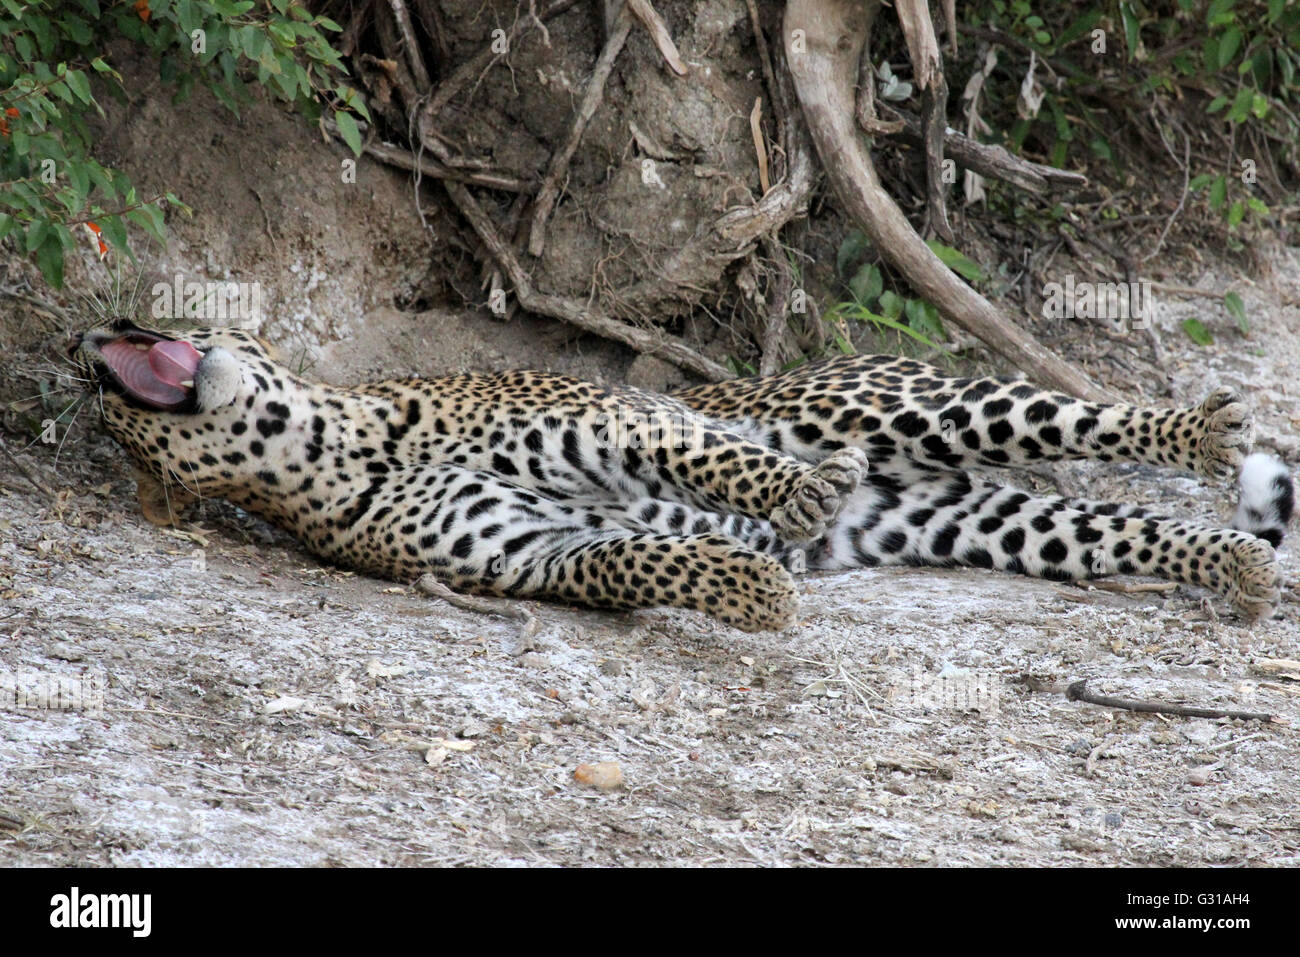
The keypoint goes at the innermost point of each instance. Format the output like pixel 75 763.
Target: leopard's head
pixel 177 401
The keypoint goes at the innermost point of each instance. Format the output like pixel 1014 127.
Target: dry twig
pixel 498 607
pixel 1078 691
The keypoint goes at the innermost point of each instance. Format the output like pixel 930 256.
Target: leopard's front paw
pixel 819 495
pixel 1228 432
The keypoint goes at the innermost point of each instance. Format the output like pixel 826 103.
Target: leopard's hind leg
pixel 953 519
pixel 901 411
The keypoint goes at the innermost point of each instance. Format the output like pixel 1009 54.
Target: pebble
pixel 605 775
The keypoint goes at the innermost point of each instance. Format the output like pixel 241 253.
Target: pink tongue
pixel 153 375
pixel 174 363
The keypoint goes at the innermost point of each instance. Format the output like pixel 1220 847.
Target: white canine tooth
pixel 142 347
pixel 187 383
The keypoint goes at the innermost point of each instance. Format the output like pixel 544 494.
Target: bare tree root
pixel 927 65
pixel 476 65
pixel 659 35
pixel 984 158
pixel 824 40
pixel 591 100
pixel 403 20
pixel 699 264
pixel 427 166
pixel 573 311
pixel 778 305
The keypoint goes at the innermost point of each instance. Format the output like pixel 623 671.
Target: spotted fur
pixel 532 484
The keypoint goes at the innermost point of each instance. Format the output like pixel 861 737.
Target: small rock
pixel 605 775
pixel 285 703
pixel 1077 842
pixel 1201 732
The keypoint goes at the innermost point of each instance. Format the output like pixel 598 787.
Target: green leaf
pixel 79 178
pixel 1235 213
pixel 851 250
pixel 1229 43
pixel 114 232
pixel 891 304
pixel 1197 332
pixel 79 85
pixel 223 96
pixel 49 257
pixel 1220 12
pixel 1237 309
pixel 867 285
pixel 881 322
pixel 1241 105
pixel 36 235
pixel 924 318
pixel 957 261
pixel 348 130
pixel 1131 29
pixel 1218 192
pixel 150 220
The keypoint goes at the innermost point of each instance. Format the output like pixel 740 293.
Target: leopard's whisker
pixel 77 406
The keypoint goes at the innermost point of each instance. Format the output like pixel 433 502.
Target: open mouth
pixel 155 371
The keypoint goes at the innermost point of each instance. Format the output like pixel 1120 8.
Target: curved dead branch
pixel 824 40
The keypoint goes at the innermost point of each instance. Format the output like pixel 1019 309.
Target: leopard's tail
pixel 1267 498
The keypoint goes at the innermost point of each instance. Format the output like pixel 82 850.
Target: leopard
pixel 712 497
